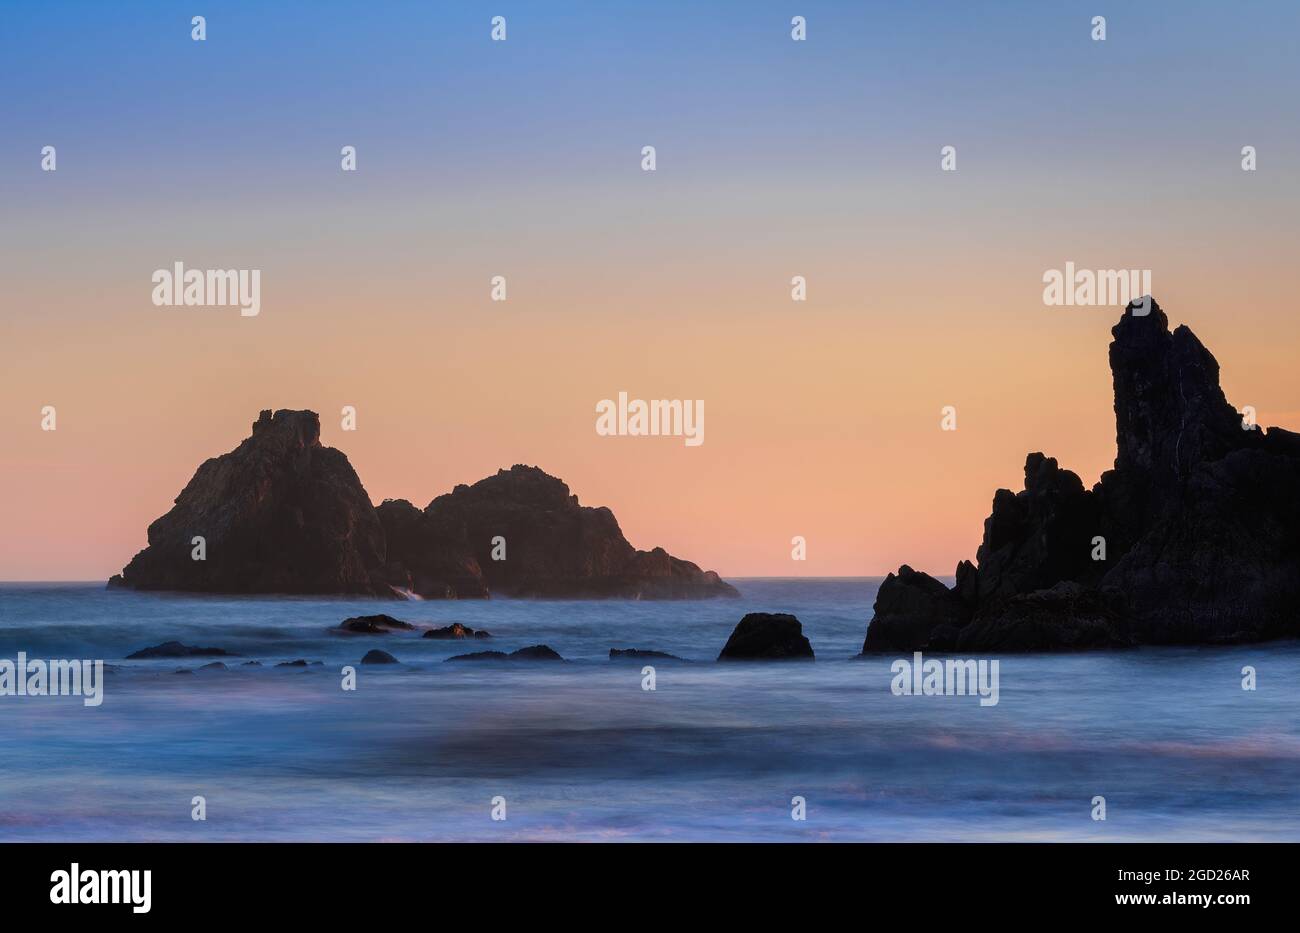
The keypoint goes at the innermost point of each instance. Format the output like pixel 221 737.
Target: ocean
pixel 428 751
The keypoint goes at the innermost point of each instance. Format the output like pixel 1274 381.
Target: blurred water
pixel 580 751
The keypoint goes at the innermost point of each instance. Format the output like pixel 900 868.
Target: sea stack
pixel 278 514
pixel 1193 537
pixel 283 514
pixel 551 545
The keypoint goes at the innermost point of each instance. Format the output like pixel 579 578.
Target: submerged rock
pixel 456 630
pixel 617 654
pixel 375 656
pixel 767 636
pixel 301 662
pixel 531 653
pixel 1193 537
pixel 374 625
pixel 214 666
pixel 174 649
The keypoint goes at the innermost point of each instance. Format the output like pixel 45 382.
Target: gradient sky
pixel 522 158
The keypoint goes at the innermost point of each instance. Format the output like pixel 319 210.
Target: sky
pixel 523 159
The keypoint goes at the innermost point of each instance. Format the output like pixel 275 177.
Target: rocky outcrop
pixel 426 557
pixel 909 607
pixel 375 656
pixel 278 514
pixel 374 625
pixel 456 630
pixel 283 514
pixel 767 636
pixel 531 653
pixel 546 544
pixel 174 649
pixel 1193 537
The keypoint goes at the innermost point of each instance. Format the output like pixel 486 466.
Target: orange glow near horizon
pixel 821 420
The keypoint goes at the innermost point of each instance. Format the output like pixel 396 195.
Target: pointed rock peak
pixel 1144 321
pixel 1170 412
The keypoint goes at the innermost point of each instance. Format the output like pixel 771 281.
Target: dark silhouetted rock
pixel 480 656
pixel 427 558
pixel 555 547
pixel 301 662
pixel 909 607
pixel 1039 536
pixel 374 625
pixel 1067 617
pixel 375 656
pixel 279 514
pixel 214 666
pixel 251 664
pixel 531 653
pixel 766 636
pixel 620 654
pixel 456 630
pixel 1200 521
pixel 537 653
pixel 283 514
pixel 174 649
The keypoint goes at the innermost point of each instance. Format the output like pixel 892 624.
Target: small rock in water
pixel 174 649
pixel 300 663
pixel 375 656
pixel 633 653
pixel 374 625
pixel 456 630
pixel 531 653
pixel 766 636
pixel 214 666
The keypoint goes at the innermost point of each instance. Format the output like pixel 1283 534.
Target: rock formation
pixel 374 625
pixel 553 546
pixel 456 630
pixel 278 514
pixel 766 636
pixel 283 514
pixel 1199 520
pixel 174 649
pixel 531 653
